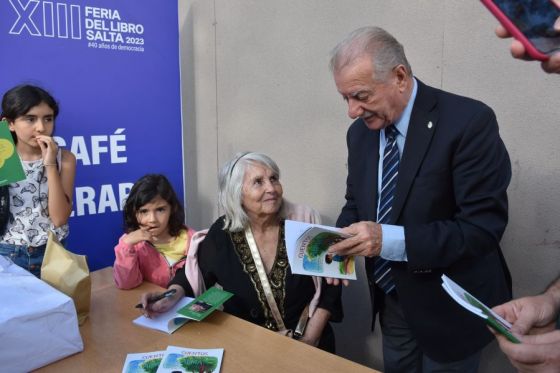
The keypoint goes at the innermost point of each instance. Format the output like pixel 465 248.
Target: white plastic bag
pixel 38 324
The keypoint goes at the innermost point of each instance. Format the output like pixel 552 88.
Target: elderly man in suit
pixel 426 196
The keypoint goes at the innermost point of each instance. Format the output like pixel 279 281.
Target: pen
pixel 167 294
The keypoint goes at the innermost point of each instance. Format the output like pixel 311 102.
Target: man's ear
pixel 401 76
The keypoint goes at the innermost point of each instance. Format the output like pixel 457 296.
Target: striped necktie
pixel 382 270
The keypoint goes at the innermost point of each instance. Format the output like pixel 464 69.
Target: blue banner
pixel 113 66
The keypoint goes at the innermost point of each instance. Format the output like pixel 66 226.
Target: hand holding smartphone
pixel 535 23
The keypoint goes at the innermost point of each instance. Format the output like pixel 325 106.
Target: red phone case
pixel 514 31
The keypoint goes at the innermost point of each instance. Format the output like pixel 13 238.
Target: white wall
pixel 255 77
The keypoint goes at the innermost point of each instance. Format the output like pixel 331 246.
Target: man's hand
pixel 529 315
pixel 535 353
pixel 337 281
pixel 518 50
pixel 365 240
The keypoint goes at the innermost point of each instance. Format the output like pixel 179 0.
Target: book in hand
pixel 205 304
pixel 179 360
pixel 307 246
pixel 143 362
pixel 11 169
pixel 469 302
pixel 168 321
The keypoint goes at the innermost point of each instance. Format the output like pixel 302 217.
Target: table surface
pixel 109 335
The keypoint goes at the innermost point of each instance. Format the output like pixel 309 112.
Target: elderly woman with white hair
pixel 244 252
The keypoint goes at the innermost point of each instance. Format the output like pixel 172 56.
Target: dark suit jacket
pixel 451 199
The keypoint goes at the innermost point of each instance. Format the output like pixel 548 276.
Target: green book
pixel 11 169
pixel 470 303
pixel 205 304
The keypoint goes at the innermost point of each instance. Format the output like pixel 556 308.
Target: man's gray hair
pixel 230 183
pixel 383 49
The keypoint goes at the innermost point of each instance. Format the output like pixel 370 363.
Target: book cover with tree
pixel 308 245
pixel 146 362
pixel 189 360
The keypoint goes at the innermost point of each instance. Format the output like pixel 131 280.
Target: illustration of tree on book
pixel 316 253
pixel 199 364
pixel 145 362
pixel 307 246
pixel 150 366
pixel 143 366
pixel 194 364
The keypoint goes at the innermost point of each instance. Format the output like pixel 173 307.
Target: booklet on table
pixel 167 321
pixel 205 304
pixel 175 360
pixel 143 362
pixel 184 310
pixel 184 360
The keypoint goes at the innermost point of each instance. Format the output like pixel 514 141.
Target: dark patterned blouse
pixel 225 258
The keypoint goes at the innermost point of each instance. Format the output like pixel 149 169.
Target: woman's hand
pixel 49 149
pixel 285 333
pixel 151 309
pixel 136 236
pixel 315 326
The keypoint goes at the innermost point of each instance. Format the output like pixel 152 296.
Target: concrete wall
pixel 255 77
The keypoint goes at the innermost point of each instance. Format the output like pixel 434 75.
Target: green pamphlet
pixel 470 303
pixel 11 170
pixel 205 304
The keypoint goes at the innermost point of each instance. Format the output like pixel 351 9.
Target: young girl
pixel 156 240
pixel 43 201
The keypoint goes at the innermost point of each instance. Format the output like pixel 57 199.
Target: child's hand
pixel 49 149
pixel 137 236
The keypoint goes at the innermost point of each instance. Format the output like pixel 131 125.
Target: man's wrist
pixel 377 240
pixel 553 292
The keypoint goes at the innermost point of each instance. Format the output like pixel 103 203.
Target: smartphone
pixel 531 22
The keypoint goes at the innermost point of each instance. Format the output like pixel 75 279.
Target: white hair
pixel 381 47
pixel 230 184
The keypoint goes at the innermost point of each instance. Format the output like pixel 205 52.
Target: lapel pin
pixel 430 125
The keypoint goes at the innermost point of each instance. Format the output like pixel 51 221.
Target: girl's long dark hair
pixel 20 99
pixel 144 191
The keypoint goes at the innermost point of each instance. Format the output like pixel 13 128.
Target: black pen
pixel 167 294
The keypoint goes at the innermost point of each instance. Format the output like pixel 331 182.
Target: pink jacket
pixel 142 262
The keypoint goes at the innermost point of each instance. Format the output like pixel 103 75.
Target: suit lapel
pixel 423 123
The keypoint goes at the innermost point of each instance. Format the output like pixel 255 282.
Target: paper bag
pixel 38 324
pixel 69 273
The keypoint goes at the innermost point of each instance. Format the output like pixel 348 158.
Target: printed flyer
pixel 185 360
pixel 307 246
pixel 205 304
pixel 147 362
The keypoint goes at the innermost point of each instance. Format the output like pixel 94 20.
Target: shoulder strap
pixel 264 279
